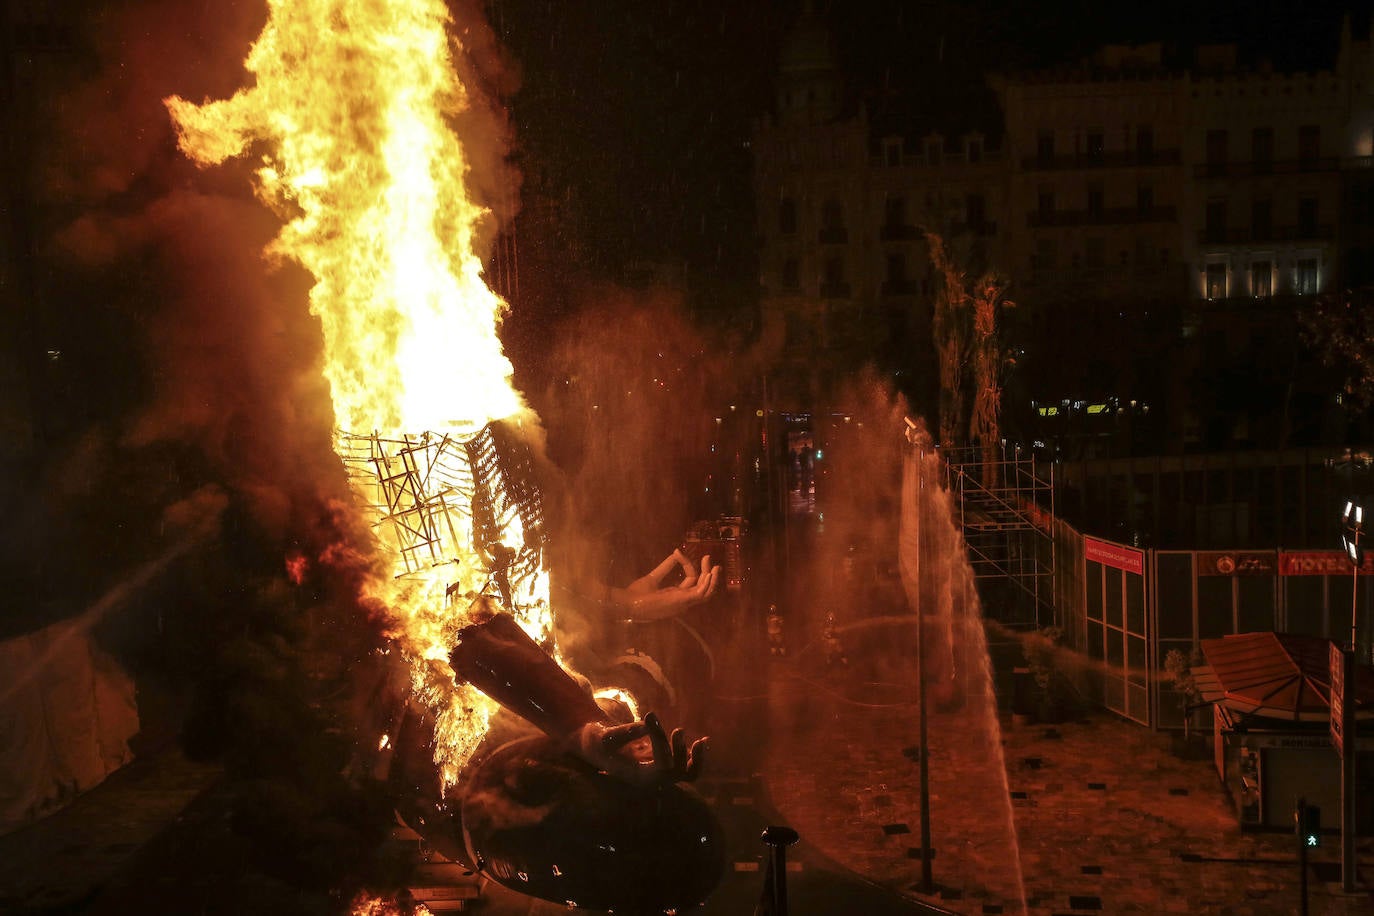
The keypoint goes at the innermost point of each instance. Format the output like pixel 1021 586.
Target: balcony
pixel 1121 159
pixel 898 287
pixel 835 289
pixel 1247 236
pixel 895 233
pixel 833 235
pixel 1108 216
pixel 1259 169
pixel 981 229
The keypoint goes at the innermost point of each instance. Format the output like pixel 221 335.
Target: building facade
pixel 1188 211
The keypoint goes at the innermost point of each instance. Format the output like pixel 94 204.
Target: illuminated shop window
pixel 1216 281
pixel 1306 277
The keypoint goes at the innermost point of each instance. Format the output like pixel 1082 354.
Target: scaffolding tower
pixel 1006 514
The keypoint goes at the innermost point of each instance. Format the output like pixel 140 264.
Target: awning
pixel 1281 676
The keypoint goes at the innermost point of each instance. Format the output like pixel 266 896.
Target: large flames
pixel 348 118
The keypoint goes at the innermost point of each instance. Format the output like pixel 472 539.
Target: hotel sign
pixel 1320 563
pixel 1117 556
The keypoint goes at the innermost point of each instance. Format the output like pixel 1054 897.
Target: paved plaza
pixel 1089 816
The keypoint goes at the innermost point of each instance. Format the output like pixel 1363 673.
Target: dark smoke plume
pixel 212 427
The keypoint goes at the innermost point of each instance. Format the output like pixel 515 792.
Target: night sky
pixel 639 113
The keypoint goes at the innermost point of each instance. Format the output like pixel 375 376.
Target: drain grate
pixel 895 829
pixel 1092 869
pixel 1098 786
pixel 1177 791
pixel 1085 903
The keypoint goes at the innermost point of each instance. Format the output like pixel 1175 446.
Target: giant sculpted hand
pixel 647 598
pixel 642 752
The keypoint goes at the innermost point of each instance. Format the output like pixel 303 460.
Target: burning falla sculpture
pixel 582 812
pixel 348 118
pixel 567 798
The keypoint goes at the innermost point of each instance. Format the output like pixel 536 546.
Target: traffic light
pixel 1309 826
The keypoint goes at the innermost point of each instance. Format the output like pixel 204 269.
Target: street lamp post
pixel 913 505
pixel 1352 525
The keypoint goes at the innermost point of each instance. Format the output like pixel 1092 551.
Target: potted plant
pixel 1178 669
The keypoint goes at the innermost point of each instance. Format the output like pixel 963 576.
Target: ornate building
pixel 1161 223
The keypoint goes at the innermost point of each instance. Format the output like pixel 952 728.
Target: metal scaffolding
pixel 1006 514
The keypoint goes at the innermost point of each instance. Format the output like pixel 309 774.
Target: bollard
pixel 773 902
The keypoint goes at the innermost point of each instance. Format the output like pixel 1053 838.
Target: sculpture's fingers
pixel 696 758
pixel 678 739
pixel 688 567
pixel 663 750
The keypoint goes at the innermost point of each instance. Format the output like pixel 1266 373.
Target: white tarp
pixel 67 712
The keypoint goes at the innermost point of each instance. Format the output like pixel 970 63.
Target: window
pixel 935 149
pixel 834 285
pixel 1261 279
pixel 1262 149
pixel 1309 145
pixel 832 215
pixel 892 150
pixel 1145 199
pixel 1046 254
pixel 1145 142
pixel 975 212
pixel 1261 220
pixel 1044 148
pixel 1046 203
pixel 1216 151
pixel 1095 201
pixel 896 281
pixel 973 150
pixel 791 274
pixel 894 213
pixel 1307 217
pixel 1095 253
pixel 1216 220
pixel 1095 147
pixel 1216 281
pixel 1305 280
pixel 787 216
pixel 832 222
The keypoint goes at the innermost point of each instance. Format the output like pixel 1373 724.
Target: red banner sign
pixel 1235 563
pixel 1320 563
pixel 1117 556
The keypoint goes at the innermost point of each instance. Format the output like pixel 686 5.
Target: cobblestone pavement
pixel 1084 817
pixel 1092 816
pixel 58 863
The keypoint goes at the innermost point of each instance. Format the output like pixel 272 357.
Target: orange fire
pixel 348 117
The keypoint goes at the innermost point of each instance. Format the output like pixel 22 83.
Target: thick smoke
pixel 215 447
